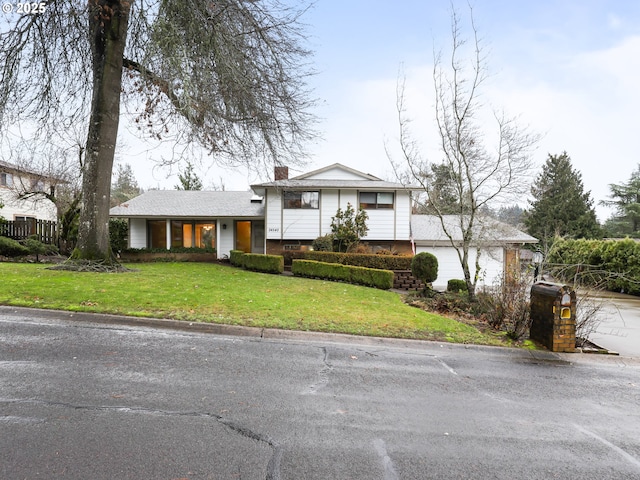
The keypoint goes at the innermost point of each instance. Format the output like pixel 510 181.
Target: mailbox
pixel 553 316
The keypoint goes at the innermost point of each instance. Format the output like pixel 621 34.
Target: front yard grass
pixel 202 292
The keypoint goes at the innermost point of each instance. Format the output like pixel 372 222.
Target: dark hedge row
pixel 382 262
pixel 610 264
pixel 257 262
pixel 369 277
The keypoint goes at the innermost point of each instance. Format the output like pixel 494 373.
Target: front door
pixel 243 236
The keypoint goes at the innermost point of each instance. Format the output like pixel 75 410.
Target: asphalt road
pixel 85 397
pixel 619 324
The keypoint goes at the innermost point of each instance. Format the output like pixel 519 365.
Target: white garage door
pixel 449 267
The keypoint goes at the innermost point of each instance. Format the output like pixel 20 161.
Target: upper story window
pixel 6 179
pixel 294 199
pixel 375 200
pixel 37 185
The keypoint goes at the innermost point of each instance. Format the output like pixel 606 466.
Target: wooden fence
pixel 21 229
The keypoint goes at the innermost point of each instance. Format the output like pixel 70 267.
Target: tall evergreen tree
pixel 125 186
pixel 560 206
pixel 625 198
pixel 189 180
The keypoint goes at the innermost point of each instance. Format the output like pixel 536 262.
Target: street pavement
pixel 100 397
pixel 619 324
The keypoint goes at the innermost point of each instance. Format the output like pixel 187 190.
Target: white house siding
pixel 301 223
pixel 403 215
pixel 329 204
pixel 226 240
pixel 381 225
pixel 335 174
pixel 449 265
pixel 273 209
pixel 137 233
pixel 41 209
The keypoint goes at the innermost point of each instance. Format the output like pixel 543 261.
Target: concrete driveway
pixel 619 329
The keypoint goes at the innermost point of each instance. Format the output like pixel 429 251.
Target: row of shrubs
pixel 610 264
pixel 370 277
pixel 30 246
pixel 369 260
pixel 314 269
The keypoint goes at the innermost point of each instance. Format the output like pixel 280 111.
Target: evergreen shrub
pixel 455 285
pixel 12 248
pixel 424 266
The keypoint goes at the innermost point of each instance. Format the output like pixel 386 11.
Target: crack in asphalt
pixel 273 466
pixel 323 374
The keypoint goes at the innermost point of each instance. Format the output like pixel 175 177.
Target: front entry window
pixel 205 235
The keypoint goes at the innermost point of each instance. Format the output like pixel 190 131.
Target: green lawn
pixel 215 293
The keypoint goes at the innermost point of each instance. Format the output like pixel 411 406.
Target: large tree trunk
pixel 108 22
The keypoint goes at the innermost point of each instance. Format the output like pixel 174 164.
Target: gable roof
pixel 342 170
pixel 427 231
pixel 190 203
pixel 333 176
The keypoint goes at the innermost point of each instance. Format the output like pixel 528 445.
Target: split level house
pixel 290 213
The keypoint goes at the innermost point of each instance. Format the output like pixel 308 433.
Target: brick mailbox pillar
pixel 553 316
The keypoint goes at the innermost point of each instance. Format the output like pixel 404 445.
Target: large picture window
pixel 376 200
pixel 193 234
pixel 294 199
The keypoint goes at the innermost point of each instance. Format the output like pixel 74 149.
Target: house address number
pixel 273 229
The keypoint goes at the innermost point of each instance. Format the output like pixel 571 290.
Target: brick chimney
pixel 280 173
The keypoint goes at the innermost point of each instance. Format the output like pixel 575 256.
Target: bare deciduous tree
pixel 228 75
pixel 486 163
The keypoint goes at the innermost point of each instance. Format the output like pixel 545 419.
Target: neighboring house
pixel 499 244
pixel 13 181
pixel 289 213
pixel 189 218
pixel 300 209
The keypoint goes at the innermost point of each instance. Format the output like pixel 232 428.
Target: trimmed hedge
pixel 257 261
pixel 614 264
pixel 235 257
pixel 370 277
pixel 368 260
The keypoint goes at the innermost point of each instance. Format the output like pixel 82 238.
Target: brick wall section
pixel 553 321
pixel 403 280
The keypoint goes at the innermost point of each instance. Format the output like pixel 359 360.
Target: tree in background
pixel 625 198
pixel 348 227
pixel 227 75
pixel 443 196
pixel 188 179
pixel 560 206
pixel 512 215
pixel 483 163
pixel 125 185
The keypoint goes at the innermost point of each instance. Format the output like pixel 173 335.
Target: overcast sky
pixel 569 69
